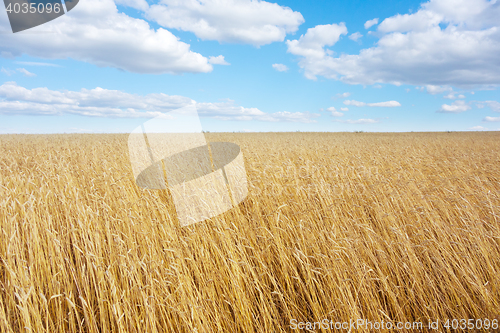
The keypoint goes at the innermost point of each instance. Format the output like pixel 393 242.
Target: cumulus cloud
pixel 370 23
pixel 234 21
pixel 280 67
pixel 455 107
pixel 219 60
pixel 388 104
pixel 311 46
pixel 355 36
pixel 478 128
pixel 344 109
pixel 358 121
pixel 334 112
pixel 99 102
pixel 97 33
pixel 444 43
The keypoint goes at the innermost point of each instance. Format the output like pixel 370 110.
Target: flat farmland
pixel 392 227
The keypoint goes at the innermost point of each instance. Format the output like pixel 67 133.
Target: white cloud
pixel 358 121
pixel 334 112
pixel 420 21
pixel 355 36
pixel 219 60
pixel 25 72
pixel 354 103
pixel 344 109
pixel 7 71
pixel 433 90
pixel 455 107
pixel 478 128
pixel 388 104
pixel 98 102
pixel 370 23
pixel 280 67
pixel 311 45
pixel 228 111
pixel 452 95
pixel 234 21
pixel 491 119
pixel 494 105
pixel 343 95
pixel 444 43
pixel 97 33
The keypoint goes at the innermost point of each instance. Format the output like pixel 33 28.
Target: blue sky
pixel 381 66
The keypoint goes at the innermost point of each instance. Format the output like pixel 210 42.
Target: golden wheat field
pixel 338 226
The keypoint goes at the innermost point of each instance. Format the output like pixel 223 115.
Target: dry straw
pixel 401 227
